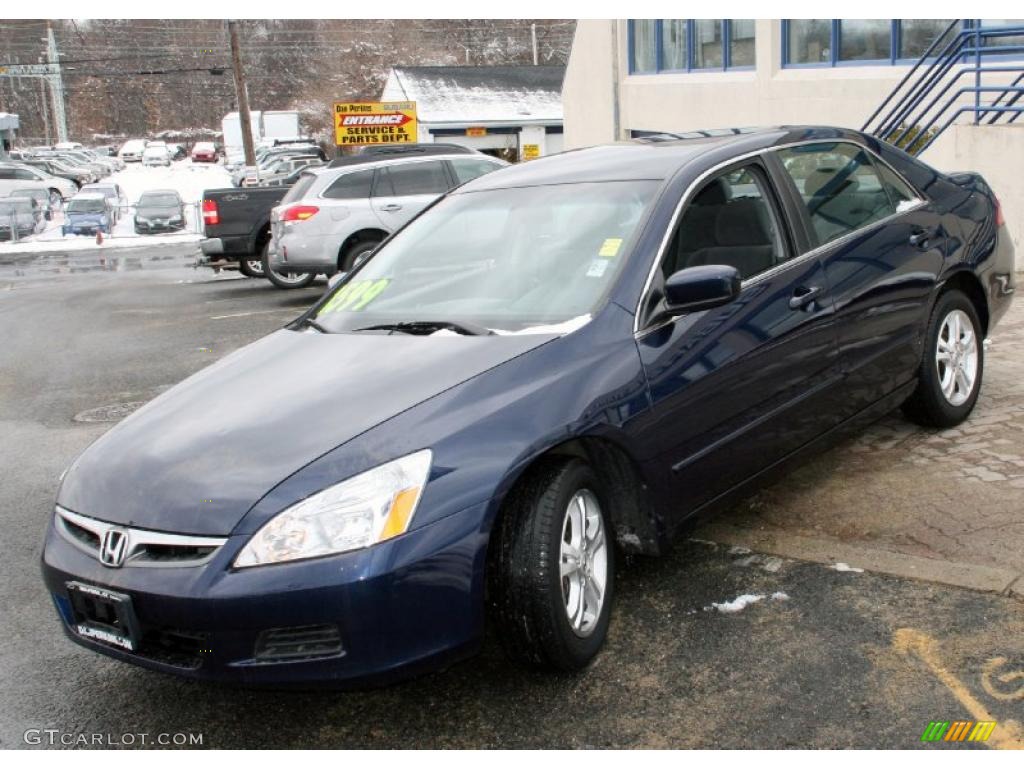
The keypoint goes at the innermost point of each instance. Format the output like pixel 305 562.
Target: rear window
pixel 86 206
pixel 467 169
pixel 351 186
pixel 299 190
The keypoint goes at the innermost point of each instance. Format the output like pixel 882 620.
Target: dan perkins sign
pixel 372 122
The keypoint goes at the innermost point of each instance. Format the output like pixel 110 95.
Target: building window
pixel 673 44
pixel 865 39
pixel 741 42
pixel 917 34
pixel 809 41
pixel 838 42
pixel 683 45
pixel 644 45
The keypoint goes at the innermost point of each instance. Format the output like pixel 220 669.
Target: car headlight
pixel 369 508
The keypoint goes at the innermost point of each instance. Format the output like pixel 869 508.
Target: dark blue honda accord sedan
pixel 556 363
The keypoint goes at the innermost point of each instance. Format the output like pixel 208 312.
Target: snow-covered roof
pixel 479 95
pixel 8 122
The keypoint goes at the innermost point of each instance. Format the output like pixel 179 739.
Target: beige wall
pixel 587 88
pixel 997 152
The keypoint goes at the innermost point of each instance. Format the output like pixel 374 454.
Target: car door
pixel 402 190
pixel 882 245
pixel 347 205
pixel 737 388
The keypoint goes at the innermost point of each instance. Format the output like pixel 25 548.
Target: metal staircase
pixel 977 71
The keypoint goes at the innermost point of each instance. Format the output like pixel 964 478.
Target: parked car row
pixel 99 207
pixel 278 164
pixel 324 220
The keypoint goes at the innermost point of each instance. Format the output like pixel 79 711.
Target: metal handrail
pixel 915 105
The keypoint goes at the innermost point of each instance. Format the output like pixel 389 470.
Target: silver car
pixel 21 215
pixel 16 176
pixel 333 218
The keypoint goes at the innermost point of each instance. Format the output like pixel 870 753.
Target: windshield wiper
pixel 426 327
pixel 309 322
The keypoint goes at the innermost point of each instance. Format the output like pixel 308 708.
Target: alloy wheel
pixel 583 562
pixel 956 357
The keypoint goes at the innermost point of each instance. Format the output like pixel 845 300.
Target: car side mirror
pixel 696 288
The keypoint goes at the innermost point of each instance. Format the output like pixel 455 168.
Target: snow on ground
pixel 189 180
pixel 844 568
pixel 739 603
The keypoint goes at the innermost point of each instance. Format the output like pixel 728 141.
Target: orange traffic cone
pixel 99 237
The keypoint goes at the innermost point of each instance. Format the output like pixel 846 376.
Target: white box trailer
pixel 280 124
pixel 231 126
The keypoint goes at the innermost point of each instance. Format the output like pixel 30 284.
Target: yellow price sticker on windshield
pixel 610 247
pixel 354 296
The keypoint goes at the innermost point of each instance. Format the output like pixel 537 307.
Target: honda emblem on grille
pixel 113 547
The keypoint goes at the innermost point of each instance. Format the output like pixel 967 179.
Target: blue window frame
pixel 690 45
pixel 852 42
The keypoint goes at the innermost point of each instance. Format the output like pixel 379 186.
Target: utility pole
pixel 533 34
pixel 56 85
pixel 242 97
pixel 45 110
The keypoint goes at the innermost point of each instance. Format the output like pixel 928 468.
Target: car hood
pixel 75 216
pixel 199 456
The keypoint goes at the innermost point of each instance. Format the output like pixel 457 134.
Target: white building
pixel 632 77
pixel 515 112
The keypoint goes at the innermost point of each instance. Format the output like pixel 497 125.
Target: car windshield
pixel 158 201
pixel 507 260
pixel 86 206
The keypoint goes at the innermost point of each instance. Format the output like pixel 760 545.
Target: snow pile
pixel 844 568
pixel 739 603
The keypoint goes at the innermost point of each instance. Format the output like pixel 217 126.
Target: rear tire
pixel 356 253
pixel 253 267
pixel 949 379
pixel 284 280
pixel 552 572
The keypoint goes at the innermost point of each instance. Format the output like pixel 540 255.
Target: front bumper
pixel 405 606
pixel 142 227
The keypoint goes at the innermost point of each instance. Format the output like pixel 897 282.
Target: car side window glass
pixel 428 178
pixel 467 169
pixel 900 193
pixel 729 221
pixel 350 186
pixel 840 187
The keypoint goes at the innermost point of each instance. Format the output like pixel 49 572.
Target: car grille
pixel 144 548
pixel 298 643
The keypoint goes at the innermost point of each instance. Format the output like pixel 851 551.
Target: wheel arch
pixel 366 233
pixel 633 514
pixel 968 283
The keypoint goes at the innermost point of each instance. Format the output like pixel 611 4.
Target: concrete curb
pixel 979 578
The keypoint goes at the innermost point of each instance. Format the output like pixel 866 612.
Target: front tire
pixel 284 280
pixel 553 567
pixel 949 379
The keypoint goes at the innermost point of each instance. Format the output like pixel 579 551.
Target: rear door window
pixel 426 178
pixel 351 186
pixel 839 186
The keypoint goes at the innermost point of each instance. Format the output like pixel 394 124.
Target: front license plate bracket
pixel 103 615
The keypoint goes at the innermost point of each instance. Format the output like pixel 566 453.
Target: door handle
pixel 921 235
pixel 391 207
pixel 804 295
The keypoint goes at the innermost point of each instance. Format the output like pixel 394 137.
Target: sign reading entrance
pixel 374 122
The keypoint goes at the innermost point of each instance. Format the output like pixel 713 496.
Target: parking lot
pixel 878 600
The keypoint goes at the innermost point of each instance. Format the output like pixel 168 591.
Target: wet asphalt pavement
pixel 825 658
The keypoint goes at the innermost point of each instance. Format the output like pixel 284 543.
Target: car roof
pixel 373 153
pixel 89 196
pixel 656 157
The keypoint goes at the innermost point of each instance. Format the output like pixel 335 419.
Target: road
pixel 825 657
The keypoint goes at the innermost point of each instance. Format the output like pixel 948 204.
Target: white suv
pixel 333 218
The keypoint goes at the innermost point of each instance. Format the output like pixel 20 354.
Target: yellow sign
pixel 531 151
pixel 374 122
pixel 476 131
pixel 610 247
